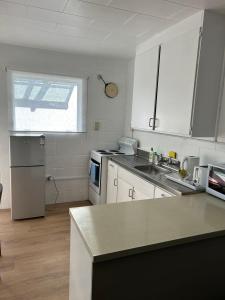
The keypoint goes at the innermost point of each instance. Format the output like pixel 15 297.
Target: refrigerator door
pixel 27 151
pixel 28 192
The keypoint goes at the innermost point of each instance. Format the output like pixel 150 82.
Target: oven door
pixel 95 175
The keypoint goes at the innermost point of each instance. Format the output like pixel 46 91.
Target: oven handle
pixel 92 162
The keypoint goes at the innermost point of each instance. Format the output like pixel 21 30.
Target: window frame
pixel 82 97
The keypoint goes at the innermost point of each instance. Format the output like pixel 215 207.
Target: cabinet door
pixel 176 84
pixel 125 191
pixel 139 195
pixel 144 93
pixel 143 190
pixel 160 193
pixel 112 182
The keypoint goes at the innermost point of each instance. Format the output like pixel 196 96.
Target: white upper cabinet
pixel 181 88
pixel 144 93
pixel 176 83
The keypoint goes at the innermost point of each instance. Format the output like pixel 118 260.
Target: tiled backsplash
pixel 208 151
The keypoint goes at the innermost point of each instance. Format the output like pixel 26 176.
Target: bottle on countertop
pixel 151 156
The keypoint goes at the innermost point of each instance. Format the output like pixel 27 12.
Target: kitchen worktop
pixel 121 229
pixel 129 162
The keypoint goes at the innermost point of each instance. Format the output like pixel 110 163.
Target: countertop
pixel 129 162
pixel 121 229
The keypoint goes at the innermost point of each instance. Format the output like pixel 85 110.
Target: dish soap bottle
pixel 151 156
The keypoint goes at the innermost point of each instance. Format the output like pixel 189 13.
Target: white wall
pixel 208 151
pixel 66 155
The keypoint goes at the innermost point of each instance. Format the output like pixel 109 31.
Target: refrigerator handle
pixel 42 141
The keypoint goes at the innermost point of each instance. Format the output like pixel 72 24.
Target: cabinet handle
pixel 115 182
pixel 111 165
pixel 130 193
pixel 150 122
pixel 133 194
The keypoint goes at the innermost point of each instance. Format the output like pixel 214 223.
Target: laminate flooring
pixel 35 255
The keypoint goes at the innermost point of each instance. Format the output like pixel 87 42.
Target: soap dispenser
pixel 151 156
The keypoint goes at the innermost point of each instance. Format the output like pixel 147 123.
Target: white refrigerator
pixel 27 164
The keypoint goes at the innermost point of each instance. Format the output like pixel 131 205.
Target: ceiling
pixel 105 27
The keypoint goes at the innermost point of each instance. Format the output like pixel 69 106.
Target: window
pixel 47 103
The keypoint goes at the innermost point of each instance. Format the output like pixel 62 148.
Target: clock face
pixel 111 90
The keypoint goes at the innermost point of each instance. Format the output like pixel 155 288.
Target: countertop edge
pixel 155 247
pixel 81 234
pixel 97 258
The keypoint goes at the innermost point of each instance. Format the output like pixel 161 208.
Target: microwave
pixel 216 180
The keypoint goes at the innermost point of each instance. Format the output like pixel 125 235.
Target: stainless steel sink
pixel 152 169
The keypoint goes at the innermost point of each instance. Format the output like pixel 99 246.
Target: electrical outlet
pixel 97 125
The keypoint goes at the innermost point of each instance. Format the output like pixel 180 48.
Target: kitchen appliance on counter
pixel 188 164
pixel 98 168
pixel 27 154
pixel 194 179
pixel 215 184
pixel 185 182
pixel 200 176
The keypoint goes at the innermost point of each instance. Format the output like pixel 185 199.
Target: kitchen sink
pixel 152 170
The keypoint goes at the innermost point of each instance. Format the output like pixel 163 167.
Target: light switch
pixel 97 126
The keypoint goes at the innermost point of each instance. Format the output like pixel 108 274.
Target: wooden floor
pixel 35 255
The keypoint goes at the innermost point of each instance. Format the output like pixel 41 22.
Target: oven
pixel 95 175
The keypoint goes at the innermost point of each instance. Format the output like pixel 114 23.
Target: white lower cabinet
pixel 81 266
pixel 123 186
pixel 125 191
pixel 112 182
pixel 143 190
pixel 160 193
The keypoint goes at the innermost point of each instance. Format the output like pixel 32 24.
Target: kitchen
pixel 153 106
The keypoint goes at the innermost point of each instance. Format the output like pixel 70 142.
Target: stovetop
pixel 109 152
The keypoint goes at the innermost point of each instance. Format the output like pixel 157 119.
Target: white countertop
pixel 121 229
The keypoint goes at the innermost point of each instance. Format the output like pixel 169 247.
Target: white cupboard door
pixel 140 195
pixel 160 193
pixel 143 190
pixel 144 92
pixel 125 191
pixel 112 182
pixel 178 63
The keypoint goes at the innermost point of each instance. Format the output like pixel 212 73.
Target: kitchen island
pixel 169 248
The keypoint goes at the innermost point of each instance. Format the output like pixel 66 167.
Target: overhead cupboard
pixel 177 84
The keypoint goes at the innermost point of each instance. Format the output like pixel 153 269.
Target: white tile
pixel 141 24
pixel 202 3
pixel 18 1
pixel 11 9
pixel 55 5
pixel 158 8
pixel 57 17
pixel 83 32
pixel 184 13
pixel 71 172
pixel 103 13
pixel 16 24
pixel 100 2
